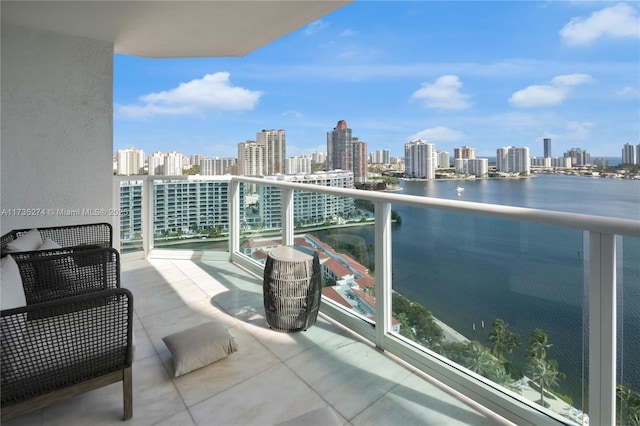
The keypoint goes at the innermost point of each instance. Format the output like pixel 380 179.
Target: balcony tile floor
pixel 272 378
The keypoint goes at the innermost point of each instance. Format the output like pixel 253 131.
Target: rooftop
pixel 274 377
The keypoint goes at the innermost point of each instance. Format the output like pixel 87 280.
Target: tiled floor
pixel 272 378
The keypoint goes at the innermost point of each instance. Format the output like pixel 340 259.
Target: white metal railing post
pixel 147 215
pixel 602 329
pixel 234 217
pixel 383 271
pixel 115 219
pixel 287 217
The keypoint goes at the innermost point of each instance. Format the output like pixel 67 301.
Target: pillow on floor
pixel 199 346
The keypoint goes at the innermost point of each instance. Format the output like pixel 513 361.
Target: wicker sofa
pixel 74 334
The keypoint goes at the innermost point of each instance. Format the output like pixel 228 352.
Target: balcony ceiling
pixel 171 29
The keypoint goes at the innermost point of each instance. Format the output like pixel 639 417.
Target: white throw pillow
pixel 49 244
pixel 26 242
pixel 11 290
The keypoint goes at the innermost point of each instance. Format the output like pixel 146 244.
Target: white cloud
pixel 617 21
pixel 444 93
pixel 348 33
pixel 544 94
pixel 538 96
pixel 571 79
pixel 628 92
pixel 213 91
pixel 438 134
pixel 315 27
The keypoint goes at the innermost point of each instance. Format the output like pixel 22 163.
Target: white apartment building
pixel 251 158
pixel 578 156
pixel 195 159
pixel 216 166
pixel 541 162
pixel 561 162
pixel 130 161
pixel 464 152
pixel 443 160
pixel 319 157
pixel 296 165
pixel 419 160
pixel 166 163
pixel 478 167
pixel 275 147
pixel 513 160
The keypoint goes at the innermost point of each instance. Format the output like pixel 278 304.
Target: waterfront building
pixel 419 160
pixel 443 160
pixel 380 156
pixel 295 165
pixel 478 167
pixel 216 166
pixel 547 147
pixel 601 162
pixel 251 158
pixel 579 157
pixel 510 159
pixel 275 147
pixel 464 152
pixel 166 163
pixel 130 161
pixel 541 162
pixel 131 203
pixel 629 154
pixel 561 162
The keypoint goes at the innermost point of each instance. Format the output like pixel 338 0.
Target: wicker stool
pixel 292 288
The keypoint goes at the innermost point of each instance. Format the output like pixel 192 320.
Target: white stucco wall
pixel 56 137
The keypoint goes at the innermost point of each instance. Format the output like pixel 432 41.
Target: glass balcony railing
pixel 528 312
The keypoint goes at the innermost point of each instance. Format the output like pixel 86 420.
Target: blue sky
pixel 482 74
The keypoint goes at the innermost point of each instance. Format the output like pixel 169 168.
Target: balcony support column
pixel 602 329
pixel 234 217
pixel 147 215
pixel 383 271
pixel 287 217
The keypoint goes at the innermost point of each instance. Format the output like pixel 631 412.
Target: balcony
pixel 596 269
pixel 272 378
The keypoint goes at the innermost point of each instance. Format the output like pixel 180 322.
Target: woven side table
pixel 292 288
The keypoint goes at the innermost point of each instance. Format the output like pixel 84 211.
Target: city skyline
pixel 452 73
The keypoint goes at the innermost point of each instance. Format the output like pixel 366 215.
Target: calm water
pixel 468 270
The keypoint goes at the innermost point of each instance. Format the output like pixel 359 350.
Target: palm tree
pixel 628 405
pixel 545 374
pixel 503 340
pixel 479 360
pixel 538 344
pixel 501 377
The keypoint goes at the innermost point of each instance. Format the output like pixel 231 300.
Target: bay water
pixel 469 270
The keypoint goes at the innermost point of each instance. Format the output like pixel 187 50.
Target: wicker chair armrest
pixel 50 345
pixel 59 273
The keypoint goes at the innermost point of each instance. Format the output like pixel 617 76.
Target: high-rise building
pixel 547 147
pixel 638 153
pixel 166 163
pixel 275 148
pixel 464 152
pixel 579 157
pixel 319 157
pixel 344 152
pixel 130 161
pixel 216 166
pixel 251 159
pixel 195 159
pixel 510 159
pixel 419 160
pixel 629 154
pixel 360 166
pixel 296 165
pixel 339 147
pixel 443 160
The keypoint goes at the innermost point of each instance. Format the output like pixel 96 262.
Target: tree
pixel 502 377
pixel 503 340
pixel 479 360
pixel 628 406
pixel 538 344
pixel 545 374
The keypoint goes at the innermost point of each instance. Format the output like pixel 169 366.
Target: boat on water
pixel 459 190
